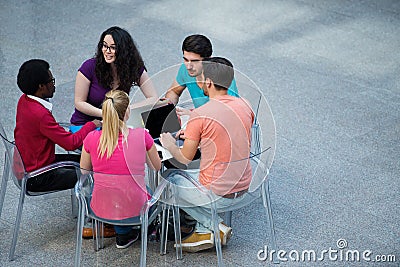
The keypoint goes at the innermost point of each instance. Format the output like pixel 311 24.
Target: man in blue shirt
pixel 195 48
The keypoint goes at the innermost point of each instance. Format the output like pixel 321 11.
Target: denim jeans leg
pixel 193 202
pixel 121 230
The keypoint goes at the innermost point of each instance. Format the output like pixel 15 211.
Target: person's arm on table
pixel 148 90
pixel 185 154
pixel 174 92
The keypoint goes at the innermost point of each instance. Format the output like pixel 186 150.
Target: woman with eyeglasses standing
pixel 116 64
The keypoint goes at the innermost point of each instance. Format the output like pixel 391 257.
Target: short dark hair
pixel 219 70
pixel 198 44
pixel 31 74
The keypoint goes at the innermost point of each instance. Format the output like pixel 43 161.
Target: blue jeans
pixel 194 202
pixel 122 230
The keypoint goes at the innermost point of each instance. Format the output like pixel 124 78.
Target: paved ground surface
pixel 330 72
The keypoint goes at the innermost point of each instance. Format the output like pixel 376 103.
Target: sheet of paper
pixel 165 153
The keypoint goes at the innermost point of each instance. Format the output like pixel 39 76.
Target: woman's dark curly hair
pixel 128 61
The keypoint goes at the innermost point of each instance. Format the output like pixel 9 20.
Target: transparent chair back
pixel 14 167
pixel 102 198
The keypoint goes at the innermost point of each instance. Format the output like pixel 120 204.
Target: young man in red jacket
pixel 37 132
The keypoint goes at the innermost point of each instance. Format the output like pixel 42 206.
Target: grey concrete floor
pixel 330 72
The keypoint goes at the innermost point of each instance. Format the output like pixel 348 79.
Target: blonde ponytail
pixel 114 107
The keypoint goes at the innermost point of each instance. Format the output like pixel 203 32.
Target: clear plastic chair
pixel 258 189
pixel 15 168
pixel 121 202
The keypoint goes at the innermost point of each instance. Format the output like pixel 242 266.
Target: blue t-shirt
pixel 198 97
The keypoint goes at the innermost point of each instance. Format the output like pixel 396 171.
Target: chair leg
pixel 177 224
pixel 79 230
pixel 217 238
pixel 98 238
pixel 101 231
pixel 74 204
pixel 177 230
pixel 145 224
pixel 267 205
pixel 17 220
pixel 4 180
pixel 228 218
pixel 164 225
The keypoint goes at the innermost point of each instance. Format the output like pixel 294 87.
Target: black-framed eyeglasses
pixel 111 48
pixel 53 81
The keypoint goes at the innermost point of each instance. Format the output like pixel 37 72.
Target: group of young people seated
pixel 219 126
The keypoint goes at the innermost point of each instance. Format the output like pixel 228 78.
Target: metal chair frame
pixel 12 159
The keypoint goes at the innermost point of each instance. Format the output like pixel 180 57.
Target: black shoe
pixel 125 240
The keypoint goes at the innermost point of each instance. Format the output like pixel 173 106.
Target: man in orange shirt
pixel 221 128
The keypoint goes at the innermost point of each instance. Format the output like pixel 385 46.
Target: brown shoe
pixel 109 231
pixel 87 233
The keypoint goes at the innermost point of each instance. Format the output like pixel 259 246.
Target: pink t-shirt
pixel 119 190
pixel 223 126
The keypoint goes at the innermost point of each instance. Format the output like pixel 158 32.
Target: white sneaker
pixel 225 233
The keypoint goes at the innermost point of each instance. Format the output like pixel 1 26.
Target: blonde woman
pixel 110 151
